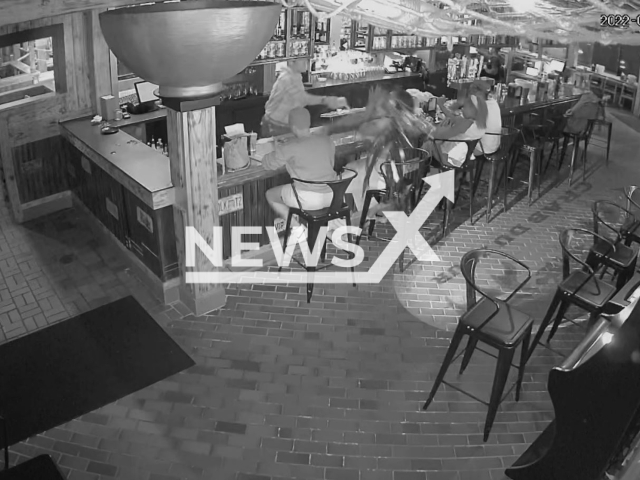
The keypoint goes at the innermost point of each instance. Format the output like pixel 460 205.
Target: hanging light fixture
pixel 380 9
pixel 523 6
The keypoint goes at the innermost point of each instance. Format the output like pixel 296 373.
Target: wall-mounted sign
pixel 279 224
pixel 145 220
pixel 112 209
pixel 86 165
pixel 31 166
pixel 230 204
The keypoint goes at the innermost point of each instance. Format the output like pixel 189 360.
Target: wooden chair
pixel 493 322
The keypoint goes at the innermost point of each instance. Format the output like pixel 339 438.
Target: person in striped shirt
pixel 287 94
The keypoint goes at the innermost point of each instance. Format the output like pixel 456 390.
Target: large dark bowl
pixel 189 48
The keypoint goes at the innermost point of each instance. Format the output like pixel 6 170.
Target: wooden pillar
pixel 572 55
pixel 32 57
pixel 192 152
pixel 99 59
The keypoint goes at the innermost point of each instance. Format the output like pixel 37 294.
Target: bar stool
pixel 578 287
pixel 601 121
pixel 533 139
pixel 316 219
pixel 629 193
pixel 555 136
pixel 624 258
pixel 508 136
pixel 469 165
pixel 412 171
pixel 493 322
pixel 576 139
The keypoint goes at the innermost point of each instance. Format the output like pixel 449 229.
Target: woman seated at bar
pixel 490 141
pixel 306 157
pixel 288 93
pixel 471 124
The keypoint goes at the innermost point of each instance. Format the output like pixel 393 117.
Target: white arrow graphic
pixel 407 234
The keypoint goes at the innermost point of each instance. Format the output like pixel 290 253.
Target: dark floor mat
pixel 61 372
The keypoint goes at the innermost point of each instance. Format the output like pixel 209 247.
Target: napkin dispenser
pixel 235 151
pixel 235 148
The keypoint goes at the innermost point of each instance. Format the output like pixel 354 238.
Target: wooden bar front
pixel 127 187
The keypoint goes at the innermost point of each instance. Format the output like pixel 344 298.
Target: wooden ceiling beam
pixel 16 11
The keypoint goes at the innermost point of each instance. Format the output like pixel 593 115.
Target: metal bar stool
pixel 555 136
pixel 578 287
pixel 316 219
pixel 576 139
pixel 412 171
pixel 601 121
pixel 533 140
pixel 508 136
pixel 444 165
pixel 632 231
pixel 624 258
pixel 493 322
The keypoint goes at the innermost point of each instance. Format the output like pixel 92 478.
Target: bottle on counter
pixel 253 140
pixel 159 145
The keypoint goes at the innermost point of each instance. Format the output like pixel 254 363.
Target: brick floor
pixel 329 390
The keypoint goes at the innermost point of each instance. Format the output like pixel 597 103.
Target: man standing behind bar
pixel 287 94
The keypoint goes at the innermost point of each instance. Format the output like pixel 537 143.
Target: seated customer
pixel 306 157
pixel 490 141
pixel 471 125
pixel 587 108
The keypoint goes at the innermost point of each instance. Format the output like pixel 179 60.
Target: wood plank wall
pixel 33 155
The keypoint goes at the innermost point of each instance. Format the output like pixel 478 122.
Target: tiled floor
pixel 327 390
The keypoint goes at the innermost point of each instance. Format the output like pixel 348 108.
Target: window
pixel 124 73
pixel 31 64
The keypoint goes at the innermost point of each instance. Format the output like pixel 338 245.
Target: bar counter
pixel 126 186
